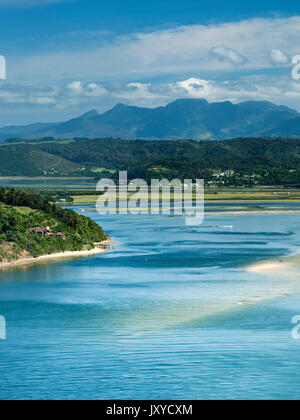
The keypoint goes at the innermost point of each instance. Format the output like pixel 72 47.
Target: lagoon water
pixel 170 314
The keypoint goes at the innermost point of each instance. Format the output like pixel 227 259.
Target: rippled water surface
pixel 171 314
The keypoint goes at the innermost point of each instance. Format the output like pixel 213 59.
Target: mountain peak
pixel 120 105
pixel 188 101
pixel 90 114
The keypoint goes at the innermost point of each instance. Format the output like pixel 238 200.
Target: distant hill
pixel 150 159
pixel 183 119
pixel 29 161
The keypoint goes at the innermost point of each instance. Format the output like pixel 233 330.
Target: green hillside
pixel 275 160
pixel 27 160
pixel 20 212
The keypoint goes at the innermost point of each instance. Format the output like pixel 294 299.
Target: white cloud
pixel 81 89
pixel 278 89
pixel 75 87
pixel 193 87
pixel 228 54
pixel 180 50
pixel 278 57
pixel 93 89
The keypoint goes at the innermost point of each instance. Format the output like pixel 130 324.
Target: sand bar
pixel 276 266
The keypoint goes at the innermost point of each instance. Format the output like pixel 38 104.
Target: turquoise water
pixel 171 314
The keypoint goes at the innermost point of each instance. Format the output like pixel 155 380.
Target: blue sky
pixel 65 57
pixel 34 25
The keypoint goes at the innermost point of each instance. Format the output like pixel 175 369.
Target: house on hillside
pixel 44 232
pixel 60 235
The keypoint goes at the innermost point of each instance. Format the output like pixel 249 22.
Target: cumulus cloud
pixel 279 89
pixel 78 88
pixel 228 54
pixel 75 87
pixel 278 57
pixel 193 87
pixel 94 89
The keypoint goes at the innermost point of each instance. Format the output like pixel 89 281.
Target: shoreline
pixel 45 258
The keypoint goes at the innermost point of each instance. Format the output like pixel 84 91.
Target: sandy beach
pixel 268 267
pixel 276 266
pixel 45 258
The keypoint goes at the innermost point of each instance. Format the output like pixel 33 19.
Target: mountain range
pixel 182 119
